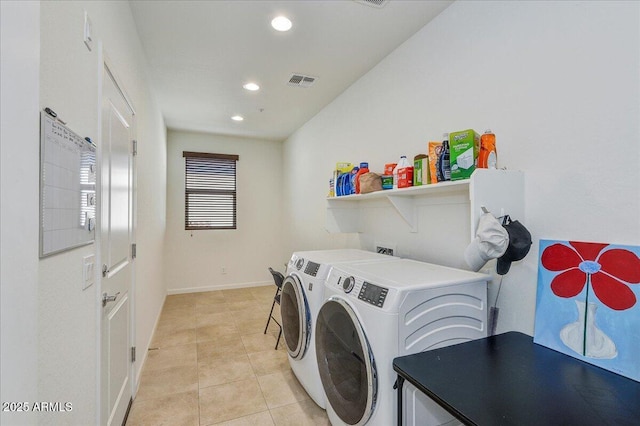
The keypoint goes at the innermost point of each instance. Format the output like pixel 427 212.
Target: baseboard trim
pixel 126 415
pixel 217 287
pixel 143 354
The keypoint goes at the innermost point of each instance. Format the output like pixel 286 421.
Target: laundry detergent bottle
pixel 364 168
pixel 352 180
pixel 488 156
pixel 401 164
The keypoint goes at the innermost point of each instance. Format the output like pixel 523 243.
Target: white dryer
pixel 373 313
pixel 302 295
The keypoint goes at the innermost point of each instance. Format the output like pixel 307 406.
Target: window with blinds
pixel 210 191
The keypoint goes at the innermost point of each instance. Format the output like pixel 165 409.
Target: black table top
pixel 509 380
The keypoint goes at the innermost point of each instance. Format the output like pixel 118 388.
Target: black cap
pixel 519 245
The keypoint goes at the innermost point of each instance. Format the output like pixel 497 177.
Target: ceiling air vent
pixel 299 80
pixel 374 3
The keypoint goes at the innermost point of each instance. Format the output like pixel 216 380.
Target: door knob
pixel 106 298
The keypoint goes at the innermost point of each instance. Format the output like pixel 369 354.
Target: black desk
pixel 509 380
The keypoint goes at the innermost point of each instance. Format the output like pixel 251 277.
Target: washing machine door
pixel 296 318
pixel 345 361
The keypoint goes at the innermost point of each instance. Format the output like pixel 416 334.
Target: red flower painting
pixel 587 303
pixel 610 272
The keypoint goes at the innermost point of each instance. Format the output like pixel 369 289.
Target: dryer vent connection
pixel 384 250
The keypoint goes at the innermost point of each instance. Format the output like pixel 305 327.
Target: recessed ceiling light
pixel 237 118
pixel 281 23
pixel 251 86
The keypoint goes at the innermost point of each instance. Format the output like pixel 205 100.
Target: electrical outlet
pixel 385 247
pixel 384 250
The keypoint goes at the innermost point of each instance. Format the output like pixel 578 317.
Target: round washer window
pixel 345 363
pixel 295 317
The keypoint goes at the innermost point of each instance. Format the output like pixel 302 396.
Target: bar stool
pixel 278 278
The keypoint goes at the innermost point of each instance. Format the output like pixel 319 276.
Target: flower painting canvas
pixel 588 303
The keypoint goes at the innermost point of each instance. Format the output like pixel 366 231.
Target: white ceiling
pixel 200 53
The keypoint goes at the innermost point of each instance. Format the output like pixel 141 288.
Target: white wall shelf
pixel 499 191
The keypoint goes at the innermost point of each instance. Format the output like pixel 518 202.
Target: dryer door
pixel 296 319
pixel 345 361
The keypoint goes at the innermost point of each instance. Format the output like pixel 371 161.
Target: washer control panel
pixel 373 294
pixel 312 268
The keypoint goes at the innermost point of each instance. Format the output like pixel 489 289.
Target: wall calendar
pixel 67 187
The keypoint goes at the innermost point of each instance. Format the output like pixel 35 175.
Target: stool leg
pixel 279 335
pixel 269 319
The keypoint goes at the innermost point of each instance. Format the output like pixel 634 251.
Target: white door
pixel 116 238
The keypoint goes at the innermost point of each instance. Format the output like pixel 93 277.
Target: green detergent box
pixel 463 153
pixel 420 170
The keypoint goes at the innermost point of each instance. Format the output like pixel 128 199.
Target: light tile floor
pixel 210 364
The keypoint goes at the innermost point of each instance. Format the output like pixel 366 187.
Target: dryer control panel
pixel 373 294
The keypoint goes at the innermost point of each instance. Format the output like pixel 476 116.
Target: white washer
pixel 301 298
pixel 373 313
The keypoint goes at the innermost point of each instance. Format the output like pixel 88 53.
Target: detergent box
pixel 463 147
pixel 388 169
pixel 344 167
pixel 342 171
pixel 387 181
pixel 420 170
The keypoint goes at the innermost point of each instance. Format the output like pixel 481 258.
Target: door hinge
pixel 134 143
pixel 134 250
pixel 133 354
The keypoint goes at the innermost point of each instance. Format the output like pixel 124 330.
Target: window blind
pixel 210 190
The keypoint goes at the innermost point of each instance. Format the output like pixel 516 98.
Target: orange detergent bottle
pixel 364 168
pixel 488 156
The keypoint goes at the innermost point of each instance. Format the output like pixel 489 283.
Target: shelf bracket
pixel 407 209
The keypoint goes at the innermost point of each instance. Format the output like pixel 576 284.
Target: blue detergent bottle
pixel 352 180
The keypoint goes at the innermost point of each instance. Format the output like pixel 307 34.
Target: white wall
pixel 68 316
pixel 19 154
pixel 558 82
pixel 194 259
